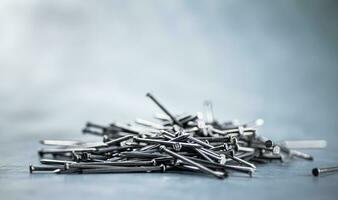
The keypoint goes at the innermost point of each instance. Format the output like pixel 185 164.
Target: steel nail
pixel 187 160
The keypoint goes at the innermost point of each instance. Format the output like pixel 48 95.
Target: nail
pixel 136 154
pixel 243 169
pixel 215 139
pixel 161 168
pixel 63 151
pixel 110 164
pixel 209 111
pixel 118 140
pixel 59 142
pixel 113 149
pixel 294 153
pixel 305 144
pixel 319 171
pixel 247 170
pixel 55 162
pixel 92 125
pixel 211 154
pixel 123 128
pixel 200 142
pixel 168 143
pixel 223 146
pixel 245 149
pixel 239 160
pixel 254 124
pixel 33 169
pixel 180 138
pixel 86 130
pixel 167 133
pixel 170 136
pixel 187 118
pixel 164 109
pixel 236 131
pixel 167 160
pixel 204 155
pixel 187 160
pixel 149 124
pixel 201 124
pixel 162 117
pixel 271 158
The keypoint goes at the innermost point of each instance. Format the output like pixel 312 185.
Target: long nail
pixel 187 160
pixel 109 164
pixel 168 143
pixel 62 151
pixel 118 140
pixel 55 162
pixel 319 171
pixel 125 169
pixel 164 109
pixel 243 169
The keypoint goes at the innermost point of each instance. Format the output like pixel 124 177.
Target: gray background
pixel 65 62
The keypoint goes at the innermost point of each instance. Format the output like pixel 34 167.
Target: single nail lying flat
pixel 160 168
pixel 326 170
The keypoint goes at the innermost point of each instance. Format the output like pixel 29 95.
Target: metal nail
pixel 319 171
pixel 164 109
pixel 187 160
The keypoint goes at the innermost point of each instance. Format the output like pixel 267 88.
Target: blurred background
pixel 63 63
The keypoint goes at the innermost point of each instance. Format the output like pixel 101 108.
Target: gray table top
pixel 274 180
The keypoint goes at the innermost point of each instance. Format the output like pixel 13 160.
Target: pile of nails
pixel 188 143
